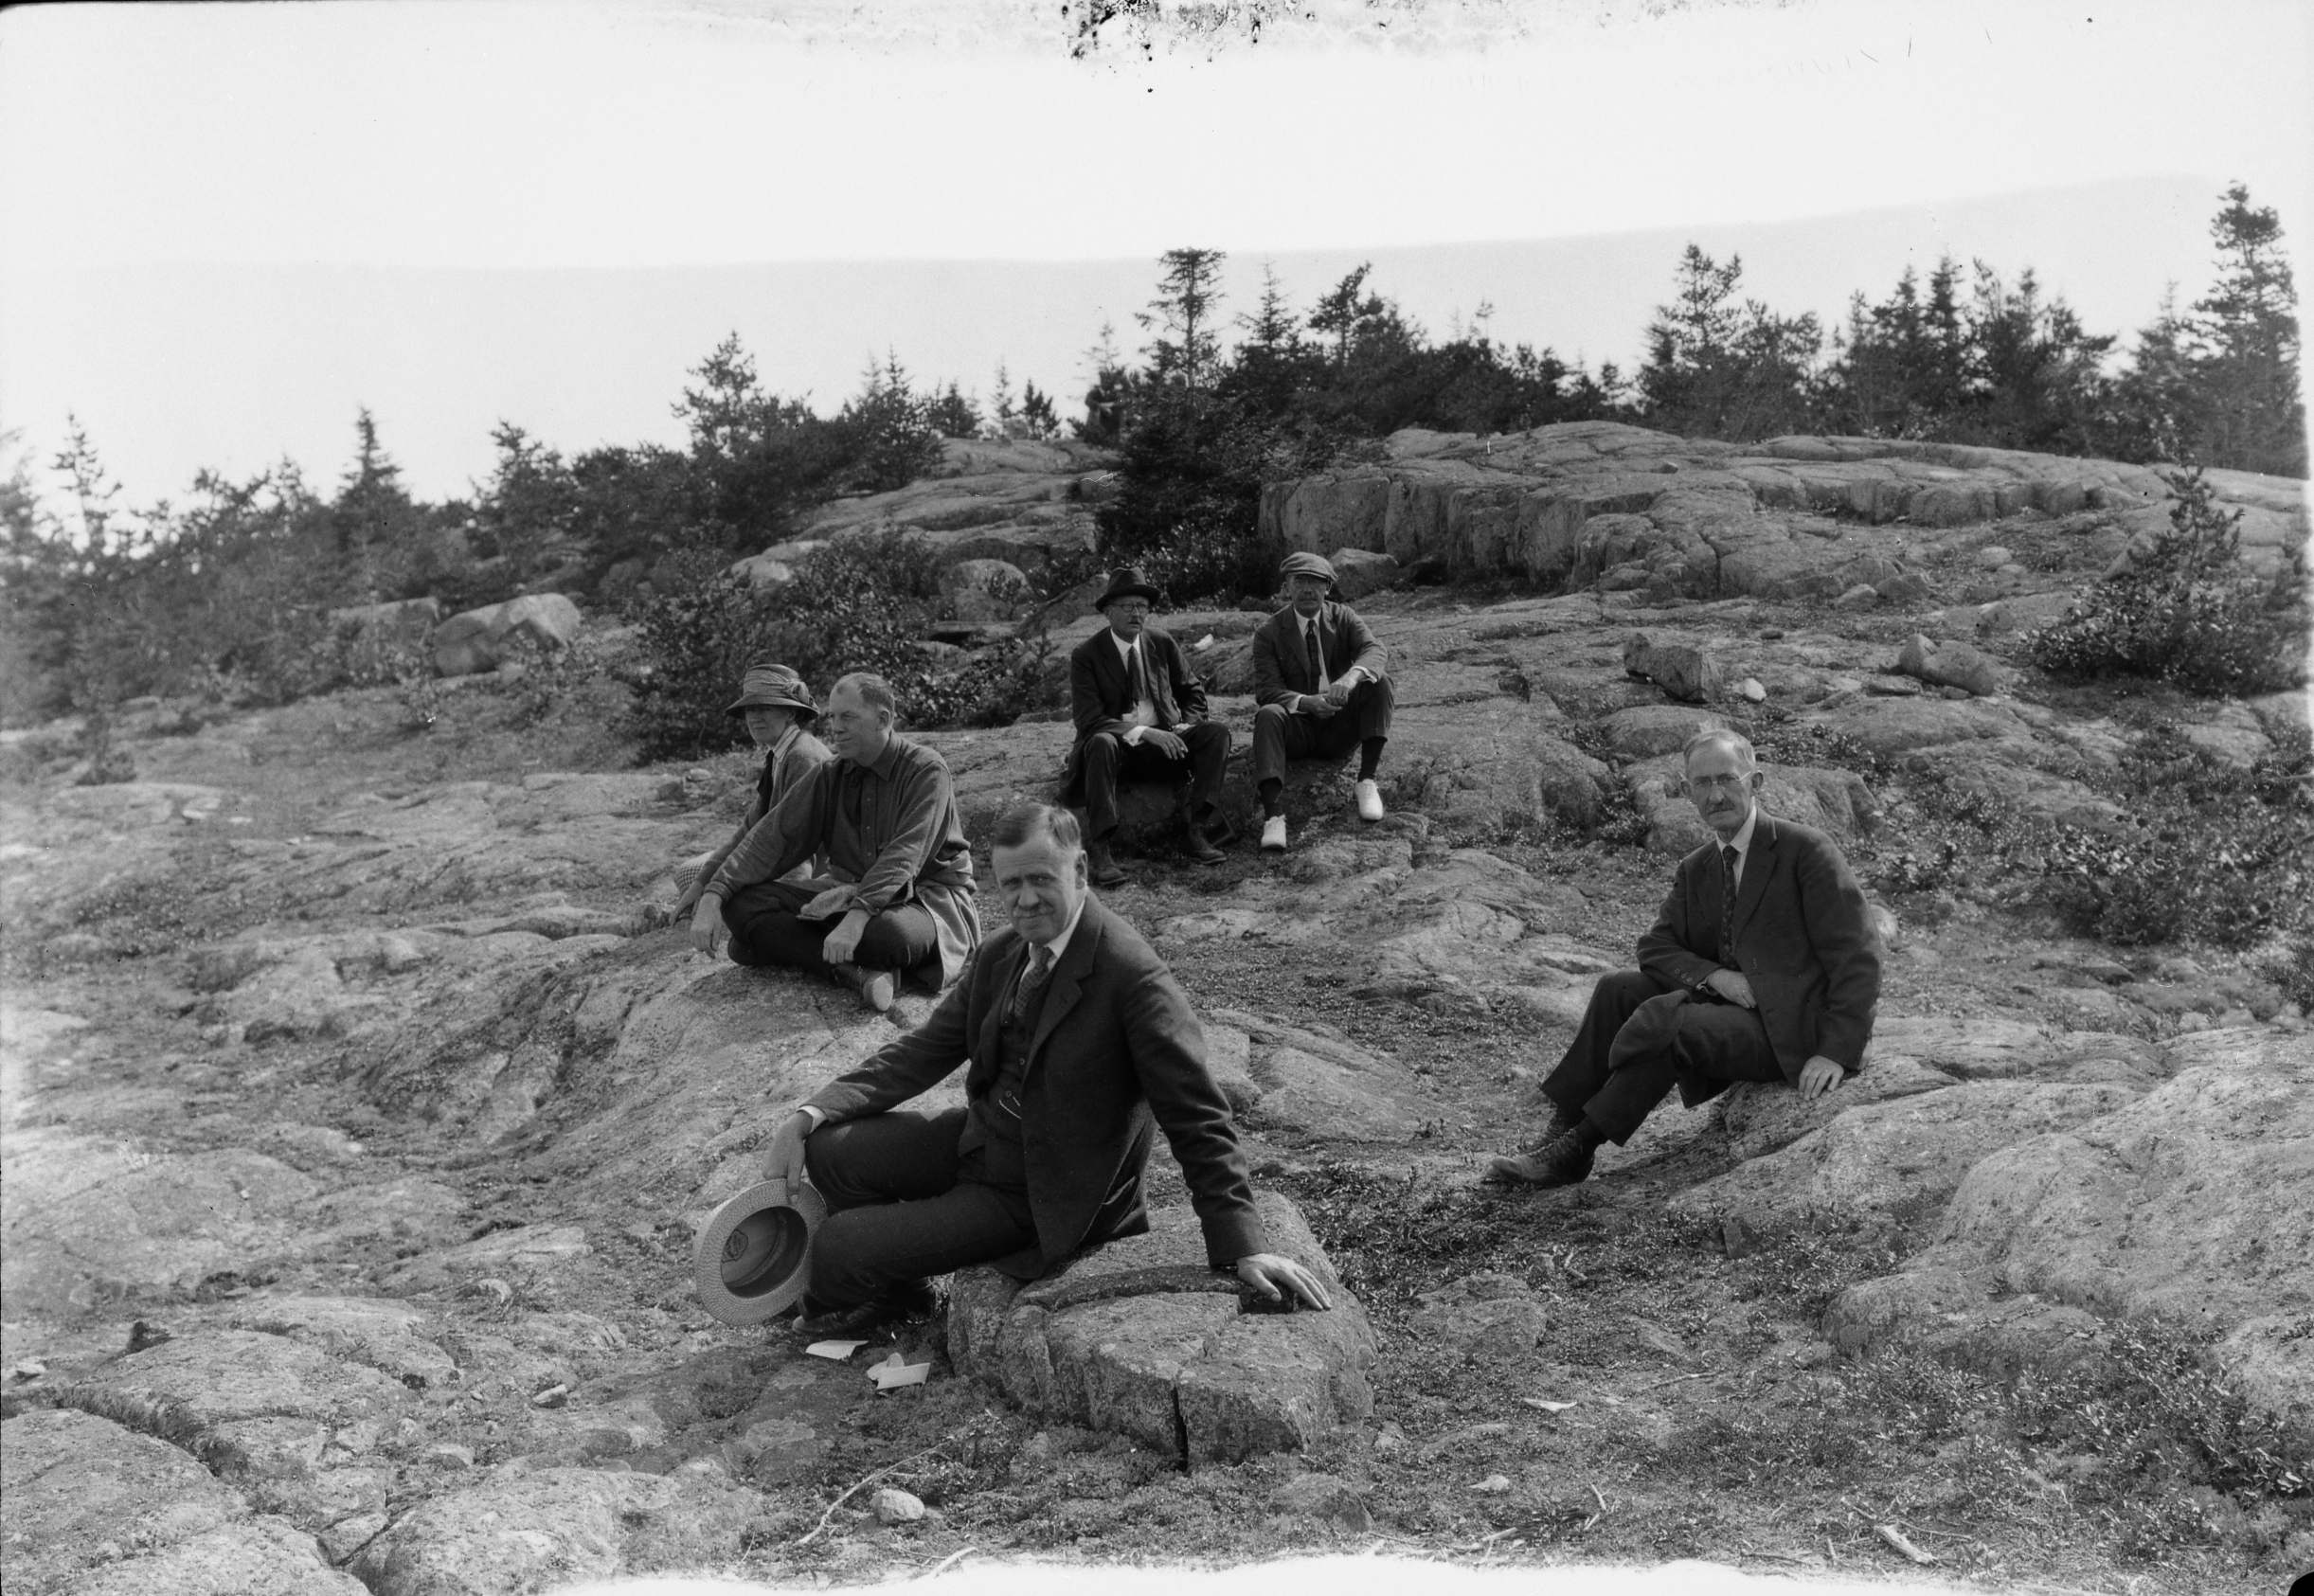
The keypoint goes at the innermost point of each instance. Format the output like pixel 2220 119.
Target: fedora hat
pixel 1125 581
pixel 750 1262
pixel 774 687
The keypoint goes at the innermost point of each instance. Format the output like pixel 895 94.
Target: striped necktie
pixel 1031 982
pixel 1317 657
pixel 1727 907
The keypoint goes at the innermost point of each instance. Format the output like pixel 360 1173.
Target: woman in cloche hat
pixel 778 708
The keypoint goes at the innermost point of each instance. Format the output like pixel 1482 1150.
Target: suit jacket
pixel 1101 694
pixel 1116 1047
pixel 1282 665
pixel 1802 937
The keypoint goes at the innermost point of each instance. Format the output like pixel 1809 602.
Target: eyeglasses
pixel 1729 781
pixel 1128 606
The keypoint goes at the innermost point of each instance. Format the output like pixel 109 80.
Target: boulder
pixel 763 573
pixel 984 589
pixel 1360 571
pixel 1142 1338
pixel 1948 664
pixel 1684 670
pixel 1647 729
pixel 403 623
pixel 478 640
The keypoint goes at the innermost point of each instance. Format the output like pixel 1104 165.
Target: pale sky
pixel 556 135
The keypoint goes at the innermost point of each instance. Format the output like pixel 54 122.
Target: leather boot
pixel 1100 866
pixel 1563 1160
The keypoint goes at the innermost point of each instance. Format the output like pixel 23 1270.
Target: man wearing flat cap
pixel 1319 677
pixel 1140 717
pixel 778 710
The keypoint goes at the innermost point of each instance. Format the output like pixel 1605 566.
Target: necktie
pixel 1317 657
pixel 1137 678
pixel 1727 907
pixel 1031 982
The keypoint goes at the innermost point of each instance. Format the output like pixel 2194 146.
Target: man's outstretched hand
pixel 1273 1274
pixel 1819 1076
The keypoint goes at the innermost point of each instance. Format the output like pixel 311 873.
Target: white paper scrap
pixel 892 1374
pixel 836 1350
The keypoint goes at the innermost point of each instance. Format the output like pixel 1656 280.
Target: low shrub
pixel 860 605
pixel 2187 612
pixel 2208 853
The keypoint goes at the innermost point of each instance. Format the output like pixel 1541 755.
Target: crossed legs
pixel 902 1205
pixel 765 930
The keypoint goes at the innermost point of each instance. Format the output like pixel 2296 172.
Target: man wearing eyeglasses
pixel 1763 965
pixel 1140 717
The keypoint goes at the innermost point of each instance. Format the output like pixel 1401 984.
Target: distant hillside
pixel 258 362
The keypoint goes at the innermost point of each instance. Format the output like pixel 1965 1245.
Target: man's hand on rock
pixel 1165 743
pixel 1819 1076
pixel 1273 1274
pixel 1731 985
pixel 783 1157
pixel 708 929
pixel 843 943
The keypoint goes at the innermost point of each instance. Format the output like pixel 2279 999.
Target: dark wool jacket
pixel 1804 939
pixel 1117 1052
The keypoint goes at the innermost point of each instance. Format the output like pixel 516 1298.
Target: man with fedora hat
pixel 1140 717
pixel 1078 1045
pixel 778 710
pixel 1321 681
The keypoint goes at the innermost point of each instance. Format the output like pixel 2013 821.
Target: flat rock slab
pixel 92 1506
pixel 526 1529
pixel 1322 1087
pixel 1889 1161
pixel 1142 1338
pixel 87 1220
pixel 1974 1047
pixel 2194 1201
pixel 1758 1116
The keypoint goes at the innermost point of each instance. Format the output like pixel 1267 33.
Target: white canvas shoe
pixel 1273 835
pixel 1370 801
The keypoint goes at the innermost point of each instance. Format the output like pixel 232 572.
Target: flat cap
pixel 1305 564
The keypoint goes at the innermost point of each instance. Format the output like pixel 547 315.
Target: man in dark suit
pixel 1322 684
pixel 1763 965
pixel 1080 1043
pixel 1140 717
